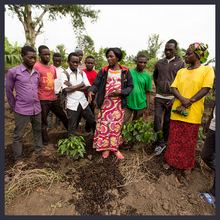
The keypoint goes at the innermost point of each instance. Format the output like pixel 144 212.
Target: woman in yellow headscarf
pixel 189 88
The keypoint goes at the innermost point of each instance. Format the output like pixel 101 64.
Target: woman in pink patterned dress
pixel 114 84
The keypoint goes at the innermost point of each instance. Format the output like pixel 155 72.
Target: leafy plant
pixel 201 136
pixel 140 131
pixel 72 146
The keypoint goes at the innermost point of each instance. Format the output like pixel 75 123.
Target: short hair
pixel 90 57
pixel 41 47
pixel 72 54
pixel 141 55
pixel 117 51
pixel 26 49
pixel 57 55
pixel 172 41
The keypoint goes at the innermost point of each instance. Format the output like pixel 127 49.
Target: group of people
pixel 118 93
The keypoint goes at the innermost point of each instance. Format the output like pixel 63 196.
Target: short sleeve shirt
pixel 189 83
pixel 91 76
pixel 46 83
pixel 142 83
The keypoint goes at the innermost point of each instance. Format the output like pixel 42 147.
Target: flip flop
pixel 207 196
pixel 105 153
pixel 118 154
pixel 159 150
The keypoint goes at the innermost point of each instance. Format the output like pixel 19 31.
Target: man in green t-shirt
pixel 138 101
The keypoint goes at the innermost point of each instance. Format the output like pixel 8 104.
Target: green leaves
pixel 140 131
pixel 72 146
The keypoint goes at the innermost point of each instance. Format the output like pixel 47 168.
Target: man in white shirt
pixel 77 103
pixel 57 88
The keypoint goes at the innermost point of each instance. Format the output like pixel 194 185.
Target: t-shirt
pixel 189 83
pixel 137 98
pixel 46 82
pixel 212 124
pixel 91 77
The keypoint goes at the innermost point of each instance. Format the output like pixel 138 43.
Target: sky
pixel 128 30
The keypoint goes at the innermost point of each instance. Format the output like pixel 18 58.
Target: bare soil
pixel 92 185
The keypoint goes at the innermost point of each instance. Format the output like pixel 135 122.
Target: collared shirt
pixel 74 98
pixel 57 82
pixel 25 84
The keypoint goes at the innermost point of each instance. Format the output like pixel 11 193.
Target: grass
pixel 24 182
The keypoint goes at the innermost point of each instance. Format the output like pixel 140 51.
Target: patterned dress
pixel 110 118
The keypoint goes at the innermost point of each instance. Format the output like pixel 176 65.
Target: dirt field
pixel 137 185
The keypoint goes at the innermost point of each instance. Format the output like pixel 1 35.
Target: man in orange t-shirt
pixel 46 94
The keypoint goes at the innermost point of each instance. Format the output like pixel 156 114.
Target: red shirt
pixel 46 82
pixel 91 76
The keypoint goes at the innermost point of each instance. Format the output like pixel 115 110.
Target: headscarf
pixel 199 49
pixel 77 49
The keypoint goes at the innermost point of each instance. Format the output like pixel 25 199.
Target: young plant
pixel 201 136
pixel 72 146
pixel 140 131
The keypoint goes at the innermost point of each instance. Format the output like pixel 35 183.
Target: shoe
pixel 86 134
pixel 49 147
pixel 206 198
pixel 158 150
pixel 105 154
pixel 43 153
pixel 187 172
pixel 118 154
pixel 78 133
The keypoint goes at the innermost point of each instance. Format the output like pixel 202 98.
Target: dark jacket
pixel 101 80
pixel 165 73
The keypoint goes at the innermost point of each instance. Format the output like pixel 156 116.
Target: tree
pixel 33 25
pixel 86 43
pixel 153 47
pixel 62 51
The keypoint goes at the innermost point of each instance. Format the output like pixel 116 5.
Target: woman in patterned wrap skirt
pixel 114 84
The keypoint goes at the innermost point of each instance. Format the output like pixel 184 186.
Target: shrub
pixel 72 146
pixel 140 131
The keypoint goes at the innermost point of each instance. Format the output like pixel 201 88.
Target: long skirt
pixel 180 152
pixel 107 134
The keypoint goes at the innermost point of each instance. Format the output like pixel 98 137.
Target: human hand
pixel 170 103
pixel 67 83
pixel 146 113
pixel 94 104
pixel 90 96
pixel 116 92
pixel 187 102
pixel 180 109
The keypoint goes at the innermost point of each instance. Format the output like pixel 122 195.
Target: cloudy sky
pixel 130 29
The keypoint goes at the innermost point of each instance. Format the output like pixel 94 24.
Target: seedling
pixel 72 146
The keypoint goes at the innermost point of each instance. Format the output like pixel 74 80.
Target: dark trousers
pixel 50 115
pixel 21 122
pixel 160 108
pixel 73 117
pixel 55 107
pixel 87 127
pixel 208 153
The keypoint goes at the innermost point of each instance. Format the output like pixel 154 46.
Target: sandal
pixel 118 155
pixel 105 153
pixel 207 196
pixel 159 150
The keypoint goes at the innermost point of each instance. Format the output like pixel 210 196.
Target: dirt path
pixel 93 186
